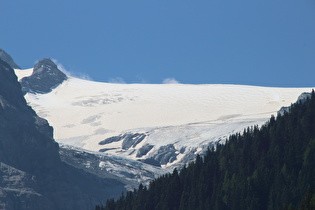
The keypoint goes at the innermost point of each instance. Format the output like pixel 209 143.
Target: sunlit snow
pixel 83 113
pixel 23 73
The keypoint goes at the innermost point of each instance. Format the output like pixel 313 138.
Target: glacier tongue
pixel 104 165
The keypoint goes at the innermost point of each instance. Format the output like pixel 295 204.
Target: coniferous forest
pixel 272 167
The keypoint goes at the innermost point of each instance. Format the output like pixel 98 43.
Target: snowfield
pixel 162 124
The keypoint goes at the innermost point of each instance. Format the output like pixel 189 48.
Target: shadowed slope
pixel 32 174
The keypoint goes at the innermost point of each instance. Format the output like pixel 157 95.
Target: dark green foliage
pixel 268 168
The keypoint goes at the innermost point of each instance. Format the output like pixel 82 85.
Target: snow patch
pixel 23 73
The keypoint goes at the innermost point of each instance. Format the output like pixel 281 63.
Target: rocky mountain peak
pixel 46 76
pixel 45 64
pixel 8 59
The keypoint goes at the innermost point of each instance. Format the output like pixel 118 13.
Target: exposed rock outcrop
pixel 46 76
pixel 128 140
pixel 302 98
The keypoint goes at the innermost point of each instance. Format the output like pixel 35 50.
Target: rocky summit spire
pixel 45 77
pixel 8 59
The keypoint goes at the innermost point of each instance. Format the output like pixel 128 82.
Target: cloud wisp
pixel 117 80
pixel 170 81
pixel 71 74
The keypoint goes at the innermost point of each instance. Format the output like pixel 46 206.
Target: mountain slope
pixel 32 173
pixel 163 125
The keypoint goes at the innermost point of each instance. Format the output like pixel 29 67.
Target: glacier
pixel 160 126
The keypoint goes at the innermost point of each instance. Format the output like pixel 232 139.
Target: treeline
pixel 272 167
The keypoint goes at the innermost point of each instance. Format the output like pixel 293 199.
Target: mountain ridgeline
pixel 32 175
pixel 8 59
pixel 272 167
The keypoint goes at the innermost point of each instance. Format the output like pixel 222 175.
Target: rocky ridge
pixel 8 59
pixel 45 77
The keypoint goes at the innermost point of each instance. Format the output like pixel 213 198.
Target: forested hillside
pixel 272 167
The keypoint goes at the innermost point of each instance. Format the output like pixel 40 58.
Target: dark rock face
pixel 8 59
pixel 151 161
pixel 144 150
pixel 46 76
pixel 32 175
pixel 131 140
pixel 166 154
pixel 106 149
pixel 111 140
pixel 128 140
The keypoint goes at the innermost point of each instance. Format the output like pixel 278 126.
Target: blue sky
pixel 261 42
